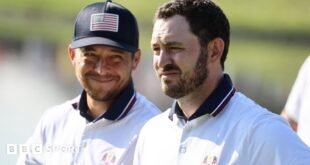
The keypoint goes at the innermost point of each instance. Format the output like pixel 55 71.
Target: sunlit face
pixel 178 60
pixel 103 71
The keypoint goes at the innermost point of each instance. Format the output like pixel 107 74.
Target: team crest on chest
pixel 210 160
pixel 108 159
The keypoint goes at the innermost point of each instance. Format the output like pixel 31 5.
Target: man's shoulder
pixel 242 105
pixel 146 106
pixel 261 129
pixel 66 105
pixel 260 121
pixel 61 111
pixel 158 121
pixel 245 112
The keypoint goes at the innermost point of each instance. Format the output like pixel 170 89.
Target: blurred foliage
pixel 42 17
pixel 275 15
pixel 54 20
pixel 270 61
pixel 269 38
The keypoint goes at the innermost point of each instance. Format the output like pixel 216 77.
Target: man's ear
pixel 71 54
pixel 215 49
pixel 136 59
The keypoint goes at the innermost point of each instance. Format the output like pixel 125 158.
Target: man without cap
pixel 101 125
pixel 210 122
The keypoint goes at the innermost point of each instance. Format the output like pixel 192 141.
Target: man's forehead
pixel 96 48
pixel 172 29
pixel 164 29
pixel 162 38
pixel 172 24
pixel 161 28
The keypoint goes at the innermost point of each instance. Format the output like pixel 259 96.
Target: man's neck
pixel 191 102
pixel 97 108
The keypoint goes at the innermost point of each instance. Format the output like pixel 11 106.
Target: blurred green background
pixel 269 42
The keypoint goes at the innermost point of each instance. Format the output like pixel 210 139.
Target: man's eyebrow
pixel 87 48
pixel 116 50
pixel 91 49
pixel 173 43
pixel 169 43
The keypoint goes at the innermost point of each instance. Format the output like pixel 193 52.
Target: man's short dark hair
pixel 206 20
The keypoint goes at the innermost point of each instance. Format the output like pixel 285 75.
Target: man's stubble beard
pixel 96 93
pixel 188 81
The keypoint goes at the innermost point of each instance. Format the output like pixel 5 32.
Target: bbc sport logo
pixel 13 149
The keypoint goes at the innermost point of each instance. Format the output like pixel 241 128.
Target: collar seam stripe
pixel 128 107
pixel 220 107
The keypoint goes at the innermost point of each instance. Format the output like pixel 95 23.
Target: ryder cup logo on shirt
pixel 108 159
pixel 104 22
pixel 210 160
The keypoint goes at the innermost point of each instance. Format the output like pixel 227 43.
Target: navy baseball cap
pixel 106 23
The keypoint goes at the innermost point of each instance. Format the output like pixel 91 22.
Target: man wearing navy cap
pixel 101 125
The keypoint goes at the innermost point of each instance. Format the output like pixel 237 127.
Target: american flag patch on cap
pixel 104 22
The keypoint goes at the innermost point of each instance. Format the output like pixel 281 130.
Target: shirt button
pixel 83 145
pixel 183 149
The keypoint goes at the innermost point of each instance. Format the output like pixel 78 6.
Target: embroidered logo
pixel 104 22
pixel 108 159
pixel 210 160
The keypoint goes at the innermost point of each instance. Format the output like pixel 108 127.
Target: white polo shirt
pixel 298 102
pixel 66 134
pixel 227 129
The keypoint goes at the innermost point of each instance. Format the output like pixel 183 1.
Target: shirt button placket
pixel 182 149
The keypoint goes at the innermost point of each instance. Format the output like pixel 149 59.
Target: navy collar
pixel 119 108
pixel 213 105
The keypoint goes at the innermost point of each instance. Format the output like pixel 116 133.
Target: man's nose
pixel 102 66
pixel 163 58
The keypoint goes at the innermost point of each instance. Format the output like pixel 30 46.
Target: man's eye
pixel 116 58
pixel 176 48
pixel 156 48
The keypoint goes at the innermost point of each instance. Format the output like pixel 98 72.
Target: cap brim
pixel 101 41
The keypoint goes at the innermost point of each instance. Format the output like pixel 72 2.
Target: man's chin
pixel 102 98
pixel 107 96
pixel 171 92
pixel 167 84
